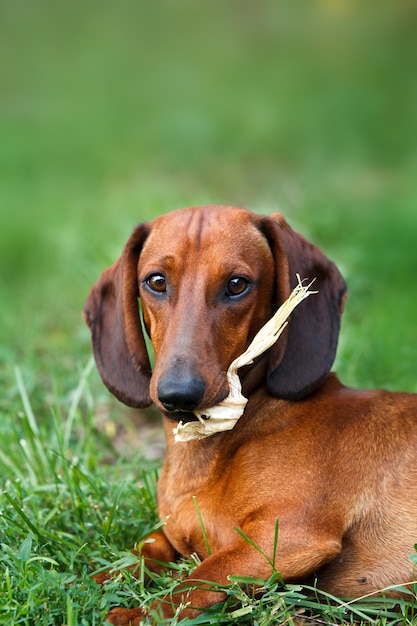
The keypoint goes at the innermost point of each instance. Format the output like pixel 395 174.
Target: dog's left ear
pixel 112 314
pixel 301 365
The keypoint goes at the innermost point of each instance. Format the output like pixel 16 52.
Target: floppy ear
pixel 298 365
pixel 112 314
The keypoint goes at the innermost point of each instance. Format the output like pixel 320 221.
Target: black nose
pixel 181 394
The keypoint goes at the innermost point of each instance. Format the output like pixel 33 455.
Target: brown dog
pixel 336 466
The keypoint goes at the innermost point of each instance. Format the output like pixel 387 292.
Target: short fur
pixel 337 466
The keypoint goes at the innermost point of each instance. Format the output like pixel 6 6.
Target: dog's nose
pixel 181 394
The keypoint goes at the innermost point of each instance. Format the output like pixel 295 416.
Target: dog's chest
pixel 194 509
pixel 193 524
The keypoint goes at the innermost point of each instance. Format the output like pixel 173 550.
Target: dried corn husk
pixel 224 415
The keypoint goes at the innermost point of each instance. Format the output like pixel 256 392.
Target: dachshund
pixel 336 466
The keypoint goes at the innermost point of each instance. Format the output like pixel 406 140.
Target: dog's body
pixel 336 466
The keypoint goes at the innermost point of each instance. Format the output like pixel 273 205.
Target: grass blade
pixel 76 401
pixel 203 530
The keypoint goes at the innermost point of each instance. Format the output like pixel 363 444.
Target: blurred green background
pixel 112 113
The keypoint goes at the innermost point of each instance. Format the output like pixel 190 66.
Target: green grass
pixel 110 115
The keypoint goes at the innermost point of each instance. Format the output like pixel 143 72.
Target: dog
pixel 336 466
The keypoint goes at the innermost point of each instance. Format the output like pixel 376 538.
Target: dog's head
pixel 208 278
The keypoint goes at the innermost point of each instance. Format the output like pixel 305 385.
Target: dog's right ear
pixel 112 314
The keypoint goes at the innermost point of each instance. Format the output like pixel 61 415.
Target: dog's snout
pixel 181 394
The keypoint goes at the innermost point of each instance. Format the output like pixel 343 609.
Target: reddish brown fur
pixel 336 466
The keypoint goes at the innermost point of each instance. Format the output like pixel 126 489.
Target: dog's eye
pixel 157 282
pixel 236 286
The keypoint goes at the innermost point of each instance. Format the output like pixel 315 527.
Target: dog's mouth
pixel 181 416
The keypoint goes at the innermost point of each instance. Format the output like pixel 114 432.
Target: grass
pixel 110 116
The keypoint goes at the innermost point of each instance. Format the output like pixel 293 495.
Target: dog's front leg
pixel 299 556
pixel 197 592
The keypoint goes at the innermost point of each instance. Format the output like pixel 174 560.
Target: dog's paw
pixel 125 617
